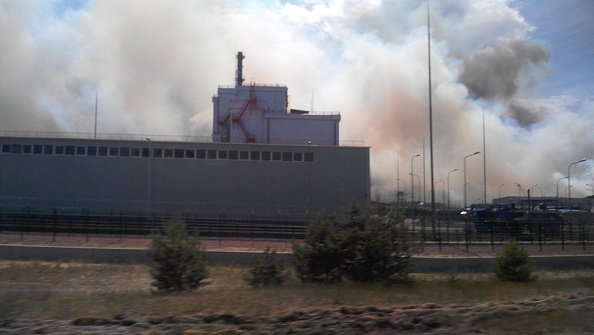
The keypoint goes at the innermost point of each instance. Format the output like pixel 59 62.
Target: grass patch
pixel 68 290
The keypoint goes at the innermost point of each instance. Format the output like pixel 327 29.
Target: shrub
pixel 267 272
pixel 513 264
pixel 362 249
pixel 177 259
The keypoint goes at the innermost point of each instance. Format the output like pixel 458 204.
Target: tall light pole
pixel 449 186
pixel 500 190
pixel 484 162
pixel 403 193
pixel 569 180
pixel 443 192
pixel 481 197
pixel 519 189
pixel 419 178
pixel 558 191
pixel 148 183
pixel 412 189
pixel 476 153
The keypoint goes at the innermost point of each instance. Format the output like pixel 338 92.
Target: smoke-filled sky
pixel 529 65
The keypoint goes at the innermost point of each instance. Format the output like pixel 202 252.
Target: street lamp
pixel 500 190
pixel 481 197
pixel 443 192
pixel 449 186
pixel 404 197
pixel 558 191
pixel 569 180
pixel 419 178
pixel 532 189
pixel 519 190
pixel 148 188
pixel 476 153
pixel 412 189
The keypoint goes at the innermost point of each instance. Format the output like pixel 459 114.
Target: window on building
pixel 276 156
pixel 157 152
pixel 70 150
pixel 223 154
pixel 37 149
pixel 59 150
pixel 17 149
pixel 254 155
pixel 92 151
pixel 125 152
pixel 287 156
pixel 145 152
pixel 102 151
pixel 113 152
pixel 81 151
pixel 244 155
pixel 265 155
pixel 48 149
pixel 27 148
pixel 308 157
pixel 233 154
pixel 178 153
pixel 135 152
pixel 298 157
pixel 201 154
pixel 5 148
pixel 189 153
pixel 168 153
pixel 212 154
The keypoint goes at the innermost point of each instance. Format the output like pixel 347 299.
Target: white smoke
pixel 156 64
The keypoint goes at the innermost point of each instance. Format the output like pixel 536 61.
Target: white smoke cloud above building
pixel 156 64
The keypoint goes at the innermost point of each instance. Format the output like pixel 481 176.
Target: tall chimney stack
pixel 239 73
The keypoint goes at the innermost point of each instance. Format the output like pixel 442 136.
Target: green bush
pixel 267 272
pixel 514 264
pixel 362 249
pixel 177 259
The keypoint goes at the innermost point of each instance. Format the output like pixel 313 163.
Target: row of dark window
pixel 48 149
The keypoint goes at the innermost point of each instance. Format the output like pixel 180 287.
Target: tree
pixel 267 272
pixel 361 249
pixel 177 259
pixel 513 264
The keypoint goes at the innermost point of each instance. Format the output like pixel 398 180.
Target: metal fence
pixel 448 231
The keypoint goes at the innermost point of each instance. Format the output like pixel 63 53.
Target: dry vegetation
pixel 44 290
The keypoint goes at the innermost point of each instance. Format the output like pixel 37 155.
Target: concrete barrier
pixel 139 256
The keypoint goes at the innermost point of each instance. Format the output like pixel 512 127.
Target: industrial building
pixel 263 160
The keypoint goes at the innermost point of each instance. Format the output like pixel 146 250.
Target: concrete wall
pixel 421 264
pixel 334 177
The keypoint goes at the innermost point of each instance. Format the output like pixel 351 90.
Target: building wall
pixel 215 183
pixel 267 120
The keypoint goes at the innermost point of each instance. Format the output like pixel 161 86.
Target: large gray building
pixel 45 173
pixel 291 167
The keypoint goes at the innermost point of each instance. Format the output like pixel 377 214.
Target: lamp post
pixel 419 178
pixel 569 181
pixel 519 189
pixel 449 186
pixel 476 153
pixel 481 197
pixel 148 183
pixel 558 191
pixel 532 189
pixel 443 192
pixel 412 189
pixel 404 192
pixel 500 190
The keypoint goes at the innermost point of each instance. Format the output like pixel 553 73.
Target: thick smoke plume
pixel 156 64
